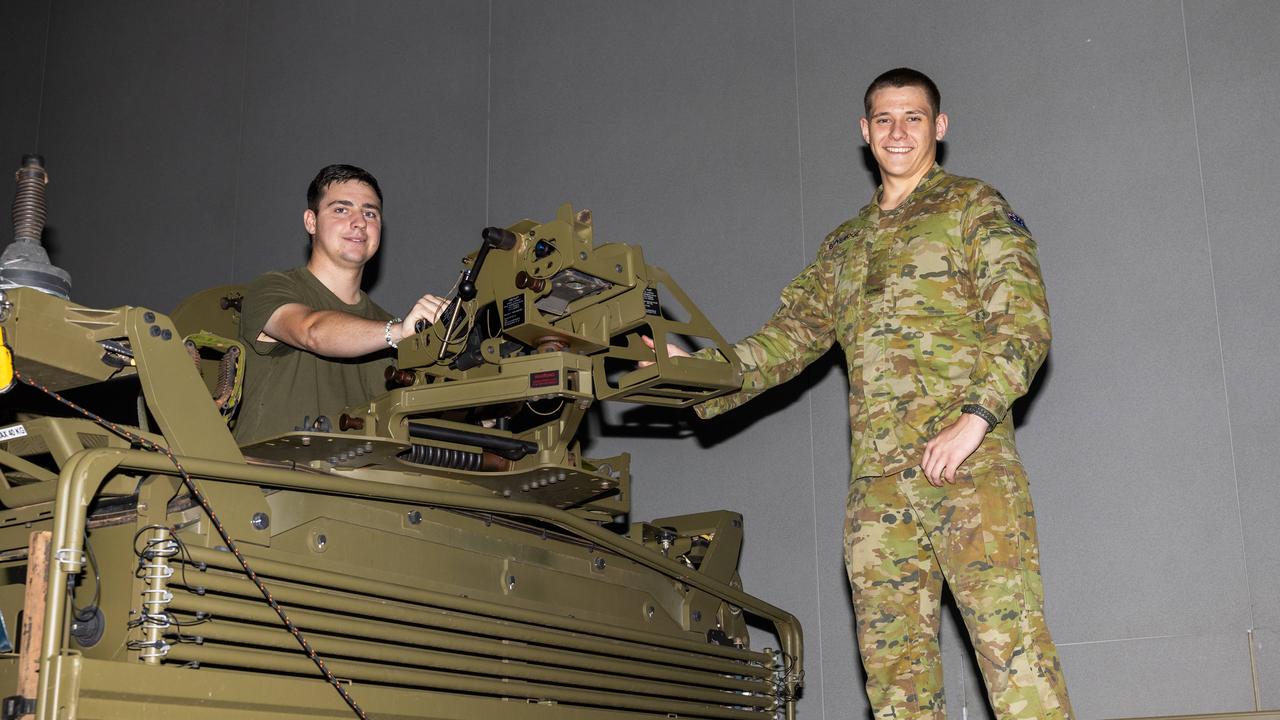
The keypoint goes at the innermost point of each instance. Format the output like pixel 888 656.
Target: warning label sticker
pixel 13 431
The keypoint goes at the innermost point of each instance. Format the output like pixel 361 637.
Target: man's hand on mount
pixel 673 350
pixel 944 454
pixel 428 307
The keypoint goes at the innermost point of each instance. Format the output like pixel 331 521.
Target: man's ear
pixel 940 126
pixel 866 130
pixel 309 221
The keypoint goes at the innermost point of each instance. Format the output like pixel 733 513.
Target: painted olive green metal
pixel 505 584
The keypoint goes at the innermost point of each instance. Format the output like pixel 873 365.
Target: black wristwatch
pixel 983 413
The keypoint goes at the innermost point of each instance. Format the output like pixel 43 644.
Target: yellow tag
pixel 6 364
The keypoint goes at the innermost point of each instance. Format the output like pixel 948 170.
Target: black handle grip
pixel 499 238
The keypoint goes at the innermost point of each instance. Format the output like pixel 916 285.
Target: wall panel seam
pixel 44 70
pixel 813 462
pixel 1217 316
pixel 235 181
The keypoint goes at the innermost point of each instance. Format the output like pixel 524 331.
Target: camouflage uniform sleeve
pixel 799 332
pixel 1013 308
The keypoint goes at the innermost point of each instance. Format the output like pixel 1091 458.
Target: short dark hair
pixel 331 174
pixel 904 77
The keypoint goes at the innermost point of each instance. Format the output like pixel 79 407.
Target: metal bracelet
pixel 386 332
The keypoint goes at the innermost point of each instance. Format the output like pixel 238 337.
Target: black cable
pixel 222 532
pixel 86 613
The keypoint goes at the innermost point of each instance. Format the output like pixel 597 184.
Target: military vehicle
pixel 446 551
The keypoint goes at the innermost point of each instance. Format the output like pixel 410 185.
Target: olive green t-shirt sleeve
pixel 285 386
pixel 262 297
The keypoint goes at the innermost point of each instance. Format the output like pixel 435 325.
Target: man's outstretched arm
pixel 333 333
pixel 802 329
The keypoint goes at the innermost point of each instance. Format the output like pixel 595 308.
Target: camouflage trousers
pixel 903 537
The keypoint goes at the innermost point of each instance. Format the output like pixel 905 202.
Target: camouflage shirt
pixel 937 303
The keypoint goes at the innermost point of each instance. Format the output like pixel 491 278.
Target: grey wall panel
pixel 1235 72
pixel 139 128
pixel 23 32
pixel 399 90
pixel 675 127
pixel 1172 675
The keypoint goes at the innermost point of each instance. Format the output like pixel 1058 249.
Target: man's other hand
pixel 944 454
pixel 673 350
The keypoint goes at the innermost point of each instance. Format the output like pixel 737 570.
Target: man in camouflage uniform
pixel 934 292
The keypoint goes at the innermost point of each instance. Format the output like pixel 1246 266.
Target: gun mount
pixel 543 325
pixel 447 549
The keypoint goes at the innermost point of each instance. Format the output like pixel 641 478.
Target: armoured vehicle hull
pixel 444 552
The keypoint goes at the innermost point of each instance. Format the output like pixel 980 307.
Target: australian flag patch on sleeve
pixel 1013 217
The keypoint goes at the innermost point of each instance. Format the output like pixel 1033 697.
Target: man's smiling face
pixel 347 226
pixel 903 131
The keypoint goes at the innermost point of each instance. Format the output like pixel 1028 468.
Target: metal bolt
pixel 582 255
pixel 696 615
pixel 511 582
pixel 148 317
pixel 617 268
pixel 321 541
pixel 648 611
pixel 154 330
pixel 415 517
pixel 166 334
pixel 260 521
pixel 599 563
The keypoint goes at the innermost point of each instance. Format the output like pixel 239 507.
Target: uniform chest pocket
pixel 927 278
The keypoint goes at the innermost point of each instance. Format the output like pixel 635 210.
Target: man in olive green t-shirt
pixel 316 342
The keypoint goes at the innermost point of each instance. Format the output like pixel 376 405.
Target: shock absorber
pixel 25 262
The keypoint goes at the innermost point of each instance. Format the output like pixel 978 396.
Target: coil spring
pixel 29 210
pixel 444 457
